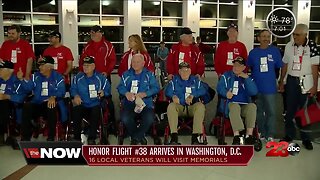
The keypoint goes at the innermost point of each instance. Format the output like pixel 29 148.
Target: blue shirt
pixel 265 81
pixel 163 53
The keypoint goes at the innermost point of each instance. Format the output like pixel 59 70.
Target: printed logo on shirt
pixel 270 57
pixel 236 51
pixel 18 50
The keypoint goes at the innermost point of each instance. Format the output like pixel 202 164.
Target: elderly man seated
pixel 11 98
pixel 237 88
pixel 185 91
pixel 48 89
pixel 87 88
pixel 139 86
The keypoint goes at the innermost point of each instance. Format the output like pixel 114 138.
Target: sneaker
pixel 307 144
pixel 174 139
pixel 144 141
pixel 263 139
pixel 270 139
pixel 236 140
pixel 249 140
pixel 134 142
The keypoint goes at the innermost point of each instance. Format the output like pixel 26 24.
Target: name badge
pixel 44 92
pixel 135 83
pixel 235 84
pixel 44 85
pixel 263 60
pixel 92 87
pixel 93 94
pixel 230 58
pixel 134 89
pixel 235 91
pixel 55 65
pixel 188 90
pixel 14 56
pixel 296 66
pixel 263 67
pixel 181 55
pixel 3 87
pixel 230 55
pixel 186 95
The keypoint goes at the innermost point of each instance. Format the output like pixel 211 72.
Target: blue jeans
pixel 266 114
pixel 128 117
pixel 295 100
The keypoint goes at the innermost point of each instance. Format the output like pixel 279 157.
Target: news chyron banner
pixel 73 153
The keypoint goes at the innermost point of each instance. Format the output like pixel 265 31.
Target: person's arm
pixel 61 88
pixel 122 87
pixel 217 60
pixel 111 60
pixel 154 86
pixel 69 68
pixel 169 90
pixel 148 63
pixel 29 68
pixel 200 64
pixel 200 90
pixel 315 75
pixel 222 86
pixel 170 62
pixel 106 87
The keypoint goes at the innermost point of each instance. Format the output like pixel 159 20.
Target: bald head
pixel 137 62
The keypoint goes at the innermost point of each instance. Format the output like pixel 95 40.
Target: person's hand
pixel 243 75
pixel 281 86
pixel 1 96
pixel 170 76
pixel 175 99
pixel 20 74
pixel 141 95
pixel 313 91
pixel 130 96
pixel 189 100
pixel 229 95
pixel 52 102
pixel 100 93
pixel 77 100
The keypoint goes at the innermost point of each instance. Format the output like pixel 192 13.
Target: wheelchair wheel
pixel 258 145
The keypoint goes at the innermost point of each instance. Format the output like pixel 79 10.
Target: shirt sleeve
pixel 285 58
pixel 314 53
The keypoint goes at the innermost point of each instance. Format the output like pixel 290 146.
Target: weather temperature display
pixel 281 22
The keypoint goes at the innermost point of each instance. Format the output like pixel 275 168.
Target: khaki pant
pixel 196 111
pixel 248 111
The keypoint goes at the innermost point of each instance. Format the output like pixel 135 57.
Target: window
pixel 314 26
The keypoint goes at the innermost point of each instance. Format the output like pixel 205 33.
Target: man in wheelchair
pixel 48 89
pixel 87 89
pixel 236 87
pixel 11 98
pixel 185 91
pixel 138 86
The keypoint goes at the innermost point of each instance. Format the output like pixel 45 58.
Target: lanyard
pixel 295 53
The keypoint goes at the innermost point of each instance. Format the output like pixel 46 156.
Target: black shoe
pixel 15 144
pixel 134 142
pixel 174 139
pixel 50 139
pixel 307 144
pixel 236 140
pixel 91 142
pixel 250 140
pixel 2 140
pixel 197 139
pixel 286 138
pixel 144 141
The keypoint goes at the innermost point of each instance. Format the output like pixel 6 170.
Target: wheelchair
pixel 222 123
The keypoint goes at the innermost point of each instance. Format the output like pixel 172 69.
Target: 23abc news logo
pixel 282 149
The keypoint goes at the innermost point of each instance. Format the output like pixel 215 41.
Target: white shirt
pixel 309 53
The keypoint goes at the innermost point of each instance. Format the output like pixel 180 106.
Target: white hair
pixel 138 55
pixel 303 27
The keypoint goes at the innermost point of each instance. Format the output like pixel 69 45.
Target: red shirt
pixel 194 56
pixel 104 54
pixel 221 56
pixel 21 49
pixel 185 52
pixel 61 56
pixel 123 66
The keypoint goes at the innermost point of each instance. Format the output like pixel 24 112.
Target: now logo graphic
pixel 52 152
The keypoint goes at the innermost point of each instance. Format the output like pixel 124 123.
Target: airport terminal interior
pixel 156 21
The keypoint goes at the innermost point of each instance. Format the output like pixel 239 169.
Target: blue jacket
pixel 146 83
pixel 177 87
pixel 56 86
pixel 80 87
pixel 225 84
pixel 16 92
pixel 13 88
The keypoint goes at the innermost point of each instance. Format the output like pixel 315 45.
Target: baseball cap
pixel 239 60
pixel 88 60
pixel 6 64
pixel 184 64
pixel 186 30
pixel 46 60
pixel 232 25
pixel 55 34
pixel 96 28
